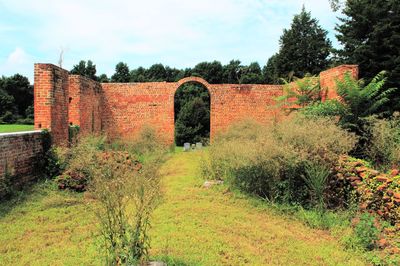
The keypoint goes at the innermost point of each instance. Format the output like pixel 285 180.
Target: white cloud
pixel 18 61
pixel 176 32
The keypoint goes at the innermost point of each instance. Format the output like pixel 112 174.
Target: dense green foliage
pixel 275 161
pixel 304 48
pixel 370 34
pixel 214 72
pixel 85 69
pixel 383 147
pixel 121 73
pixel 359 102
pixel 16 100
pixel 192 114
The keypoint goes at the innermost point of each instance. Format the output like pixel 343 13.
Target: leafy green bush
pixel 362 100
pixel 366 232
pixel 302 92
pixel 270 160
pixel 328 108
pixel 384 144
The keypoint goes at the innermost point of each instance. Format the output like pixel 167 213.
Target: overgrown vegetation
pixel 125 189
pixel 271 160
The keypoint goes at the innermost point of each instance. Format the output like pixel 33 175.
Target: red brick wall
pixel 122 109
pixel 20 154
pixel 51 100
pixel 329 77
pixel 85 98
pixel 129 106
pixel 232 102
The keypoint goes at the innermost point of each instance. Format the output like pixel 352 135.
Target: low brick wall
pixel 21 155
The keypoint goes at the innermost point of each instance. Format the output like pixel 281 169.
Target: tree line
pixel 214 72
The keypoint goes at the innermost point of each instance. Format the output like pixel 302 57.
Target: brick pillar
pixel 51 101
pixel 329 77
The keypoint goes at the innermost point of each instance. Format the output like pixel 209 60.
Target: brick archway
pixel 194 80
pixel 204 84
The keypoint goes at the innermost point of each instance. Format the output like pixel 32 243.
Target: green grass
pixel 192 226
pixel 46 226
pixel 15 128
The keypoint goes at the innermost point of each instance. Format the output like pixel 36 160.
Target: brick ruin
pixel 121 110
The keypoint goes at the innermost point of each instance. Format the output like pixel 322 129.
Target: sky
pixel 178 33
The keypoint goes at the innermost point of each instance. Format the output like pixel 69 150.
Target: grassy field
pixel 15 128
pixel 192 226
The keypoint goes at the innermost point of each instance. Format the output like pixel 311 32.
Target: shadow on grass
pixel 38 189
pixel 171 261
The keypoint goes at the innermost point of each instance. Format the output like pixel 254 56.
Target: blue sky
pixel 178 33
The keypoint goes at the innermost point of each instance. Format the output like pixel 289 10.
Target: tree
pixel 91 70
pixel 251 74
pixel 156 73
pixel 86 70
pixel 304 48
pixel 193 122
pixel 172 74
pixel 336 4
pixel 270 71
pixel 121 73
pixel 16 99
pixel 21 90
pixel 138 75
pixel 192 113
pixel 6 103
pixel 212 72
pixel 103 78
pixel 231 74
pixel 370 35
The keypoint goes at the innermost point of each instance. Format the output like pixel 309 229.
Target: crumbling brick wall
pixel 120 110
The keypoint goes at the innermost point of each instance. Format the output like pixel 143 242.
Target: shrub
pixel 78 162
pixel 126 200
pixel 366 232
pixel 148 142
pixel 269 160
pixel 302 92
pixel 329 108
pixel 316 177
pixel 384 144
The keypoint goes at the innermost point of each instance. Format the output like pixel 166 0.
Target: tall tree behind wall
pixel 304 48
pixel 370 35
pixel 16 99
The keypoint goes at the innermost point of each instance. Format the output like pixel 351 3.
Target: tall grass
pixel 271 160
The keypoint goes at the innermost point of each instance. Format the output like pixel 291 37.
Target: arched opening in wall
pixel 192 114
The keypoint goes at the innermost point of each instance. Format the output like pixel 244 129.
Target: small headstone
pixel 210 183
pixel 186 146
pixel 157 263
pixel 193 146
pixel 199 145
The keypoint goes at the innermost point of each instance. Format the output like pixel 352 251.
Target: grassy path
pixel 192 226
pixel 199 226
